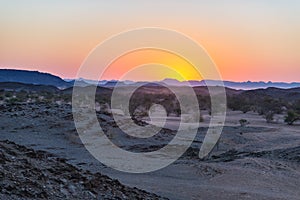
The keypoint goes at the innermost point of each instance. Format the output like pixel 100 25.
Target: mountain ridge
pixel 32 77
pixel 41 78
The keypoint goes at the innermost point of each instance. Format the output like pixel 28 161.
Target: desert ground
pixel 259 161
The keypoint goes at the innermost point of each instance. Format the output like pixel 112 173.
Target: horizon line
pixel 74 78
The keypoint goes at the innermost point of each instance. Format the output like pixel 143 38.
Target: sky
pixel 257 40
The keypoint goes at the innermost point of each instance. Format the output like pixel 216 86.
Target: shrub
pixel 8 94
pixel 243 122
pixel 269 116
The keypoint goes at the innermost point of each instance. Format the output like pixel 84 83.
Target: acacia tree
pixel 291 117
pixel 294 113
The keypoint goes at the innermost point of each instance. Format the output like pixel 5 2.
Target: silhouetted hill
pixel 12 86
pixel 287 94
pixel 203 90
pixel 100 90
pixel 32 77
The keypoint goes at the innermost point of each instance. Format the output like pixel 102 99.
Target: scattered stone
pixel 29 174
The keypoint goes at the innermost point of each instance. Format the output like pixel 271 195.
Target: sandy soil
pixel 260 161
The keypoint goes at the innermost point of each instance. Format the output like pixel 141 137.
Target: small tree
pixel 291 117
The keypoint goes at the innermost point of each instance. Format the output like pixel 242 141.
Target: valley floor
pixel 260 161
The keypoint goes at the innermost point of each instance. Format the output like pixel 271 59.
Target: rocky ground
pixel 29 174
pixel 260 161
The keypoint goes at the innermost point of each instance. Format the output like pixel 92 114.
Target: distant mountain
pixel 32 77
pixel 169 81
pixel 234 85
pixel 80 83
pixel 249 85
pixel 255 85
pixel 112 83
pixel 38 78
pixel 86 81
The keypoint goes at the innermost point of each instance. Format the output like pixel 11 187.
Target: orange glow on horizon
pixel 179 68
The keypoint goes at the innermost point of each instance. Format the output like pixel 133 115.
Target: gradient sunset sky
pixel 257 40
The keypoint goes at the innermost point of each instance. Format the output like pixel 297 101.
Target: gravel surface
pixel 29 174
pixel 260 161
